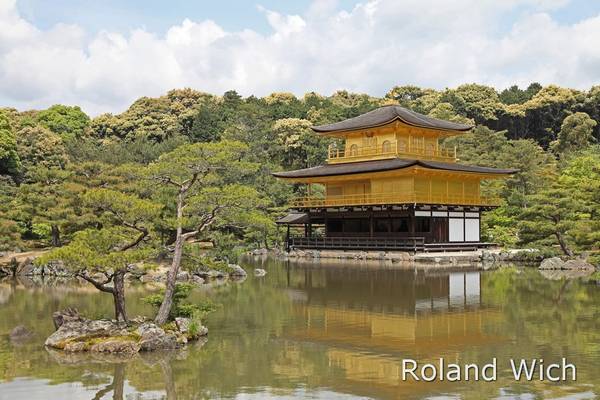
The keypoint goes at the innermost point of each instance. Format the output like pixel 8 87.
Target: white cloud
pixel 374 46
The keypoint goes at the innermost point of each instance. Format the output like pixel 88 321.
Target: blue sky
pixel 104 54
pixel 159 15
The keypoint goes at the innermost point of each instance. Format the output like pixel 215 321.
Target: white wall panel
pixel 472 230
pixel 456 229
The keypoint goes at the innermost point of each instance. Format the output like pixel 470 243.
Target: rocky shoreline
pixel 449 258
pixel 25 267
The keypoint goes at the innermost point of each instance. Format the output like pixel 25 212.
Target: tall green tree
pixel 9 158
pixel 552 214
pixel 49 199
pixel 576 133
pixel 199 185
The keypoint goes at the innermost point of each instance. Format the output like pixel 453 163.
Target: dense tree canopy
pixel 51 159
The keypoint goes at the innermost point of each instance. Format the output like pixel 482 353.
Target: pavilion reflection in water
pixel 370 320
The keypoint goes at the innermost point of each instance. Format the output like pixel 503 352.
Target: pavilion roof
pixel 387 114
pixel 386 165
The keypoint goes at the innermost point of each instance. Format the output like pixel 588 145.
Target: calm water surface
pixel 326 331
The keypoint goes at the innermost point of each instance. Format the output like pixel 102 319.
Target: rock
pixel 182 339
pixel 556 263
pixel 183 324
pixel 210 273
pixel 116 345
pixel 552 263
pixel 136 271
pixel 20 333
pixel 203 331
pixel 153 337
pixel 259 272
pixel 237 271
pixel 198 280
pixel 138 320
pixel 579 265
pixel 68 314
pixel 259 252
pixel 81 330
pixel 183 276
pixel 153 277
pixel 75 347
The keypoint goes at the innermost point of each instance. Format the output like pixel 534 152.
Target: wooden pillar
pixel 287 239
pixel 371 223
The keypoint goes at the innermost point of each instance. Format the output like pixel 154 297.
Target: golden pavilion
pixel 391 185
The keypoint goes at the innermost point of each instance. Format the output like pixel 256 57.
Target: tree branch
pixel 98 285
pixel 142 236
pixel 168 180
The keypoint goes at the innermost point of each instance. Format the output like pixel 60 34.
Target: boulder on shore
pixel 153 337
pixel 237 271
pixel 83 330
pixel 556 263
pixel 184 327
pixel 62 316
pixel 210 274
pixel 552 263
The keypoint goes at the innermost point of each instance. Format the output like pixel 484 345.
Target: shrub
pixel 180 307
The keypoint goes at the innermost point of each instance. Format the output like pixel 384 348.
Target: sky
pixel 102 55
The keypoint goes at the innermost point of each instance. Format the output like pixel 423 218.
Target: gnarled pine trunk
pixel 119 295
pixel 165 308
pixel 563 244
pixel 55 236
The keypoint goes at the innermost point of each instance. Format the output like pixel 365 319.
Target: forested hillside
pixel 56 164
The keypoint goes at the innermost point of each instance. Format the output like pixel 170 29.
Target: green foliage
pixel 40 147
pixel 515 95
pixel 181 308
pixel 481 103
pixel 9 158
pixel 576 133
pixel 140 150
pixel 68 122
pixel 98 251
pixel 56 156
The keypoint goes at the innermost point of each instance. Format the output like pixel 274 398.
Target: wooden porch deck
pixel 414 244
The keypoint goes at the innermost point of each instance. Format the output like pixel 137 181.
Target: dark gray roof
pixel 387 114
pixel 385 165
pixel 293 218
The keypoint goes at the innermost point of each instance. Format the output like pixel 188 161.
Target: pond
pixel 325 331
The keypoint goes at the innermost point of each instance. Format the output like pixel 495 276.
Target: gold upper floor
pixel 395 139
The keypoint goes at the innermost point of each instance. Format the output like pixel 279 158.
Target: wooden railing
pixel 394 198
pixel 362 243
pixel 390 149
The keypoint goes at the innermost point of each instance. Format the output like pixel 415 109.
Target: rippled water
pixel 330 331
